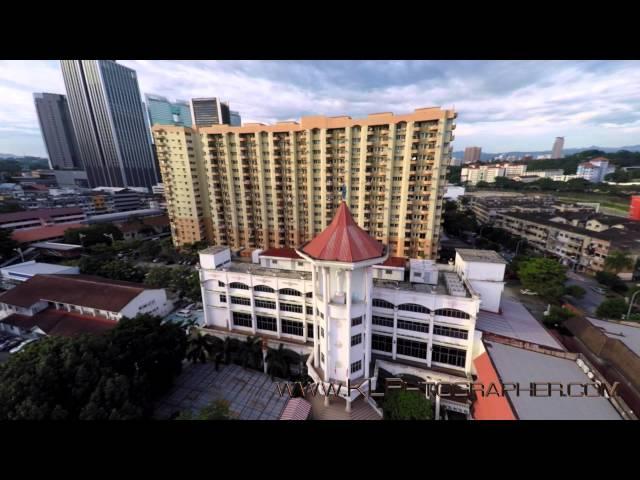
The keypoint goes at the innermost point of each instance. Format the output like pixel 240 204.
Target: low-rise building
pixel 21 272
pixel 41 218
pixel 595 170
pixel 40 303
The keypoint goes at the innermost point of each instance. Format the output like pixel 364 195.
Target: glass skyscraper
pixel 57 130
pixel 206 112
pixel 109 122
pixel 163 112
pixel 236 121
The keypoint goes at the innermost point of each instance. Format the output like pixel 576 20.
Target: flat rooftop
pixel 213 250
pixel 517 365
pixel 441 288
pixel 486 256
pixel 627 334
pixel 256 269
pixel 33 268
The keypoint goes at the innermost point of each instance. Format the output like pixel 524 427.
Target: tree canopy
pixel 612 308
pixel 406 405
pixel 7 244
pixel 112 376
pixel 543 275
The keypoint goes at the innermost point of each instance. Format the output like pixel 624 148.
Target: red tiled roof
pixel 296 409
pixel 44 213
pixel 343 241
pixel 395 262
pixel 61 323
pixel 84 290
pixel 280 252
pixel 490 407
pixel 43 233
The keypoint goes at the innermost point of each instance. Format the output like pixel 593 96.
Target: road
pixel 591 299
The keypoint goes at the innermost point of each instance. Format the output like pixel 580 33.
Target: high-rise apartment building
pixel 472 154
pixel 236 121
pixel 109 122
pixel 558 145
pixel 279 185
pixel 206 112
pixel 163 112
pixel 57 130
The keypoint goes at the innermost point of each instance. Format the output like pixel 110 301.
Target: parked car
pixel 600 290
pixel 526 291
pixel 22 345
pixel 9 344
pixel 184 313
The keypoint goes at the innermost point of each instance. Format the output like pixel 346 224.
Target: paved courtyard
pixel 251 394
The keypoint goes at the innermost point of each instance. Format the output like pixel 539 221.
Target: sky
pixel 502 105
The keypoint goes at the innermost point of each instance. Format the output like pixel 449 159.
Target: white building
pixel 21 272
pixel 69 304
pixel 453 192
pixel 351 308
pixel 511 171
pixel 595 170
pixel 481 173
pixel 484 270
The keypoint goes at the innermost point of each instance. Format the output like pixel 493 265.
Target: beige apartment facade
pixel 262 186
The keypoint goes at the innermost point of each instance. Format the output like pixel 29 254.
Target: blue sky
pixel 502 105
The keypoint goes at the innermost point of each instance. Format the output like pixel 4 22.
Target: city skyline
pixel 502 105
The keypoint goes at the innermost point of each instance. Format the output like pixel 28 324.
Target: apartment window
pixel 382 321
pixel 292 328
pixel 356 321
pixel 411 348
pixel 450 332
pixel 356 339
pixel 356 366
pixel 310 330
pixel 263 288
pixel 322 357
pixel 378 302
pixel 239 285
pixel 322 332
pixel 382 343
pixel 309 310
pixel 241 319
pixel 309 294
pixel 220 284
pixel 413 307
pixel 266 323
pixel 413 326
pixel 452 312
pixel 223 298
pixel 240 301
pixel 289 307
pixel 265 304
pixel 449 356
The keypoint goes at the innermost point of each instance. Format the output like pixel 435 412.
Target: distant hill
pixel 567 151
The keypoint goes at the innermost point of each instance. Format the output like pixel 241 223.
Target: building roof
pixel 57 246
pixel 60 323
pixel 516 322
pixel 43 233
pixel 35 268
pixel 518 365
pixel 44 213
pixel 343 241
pixel 627 334
pixel 281 252
pixel 113 217
pixel 296 409
pixel 84 290
pixel 486 256
pixel 399 262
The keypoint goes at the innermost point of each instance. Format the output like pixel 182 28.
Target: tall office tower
pixel 279 185
pixel 235 120
pixel 109 122
pixel 163 112
pixel 472 154
pixel 206 112
pixel 57 130
pixel 558 145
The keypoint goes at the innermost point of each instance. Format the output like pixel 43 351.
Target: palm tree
pixel 229 348
pixel 200 347
pixel 618 261
pixel 250 353
pixel 277 362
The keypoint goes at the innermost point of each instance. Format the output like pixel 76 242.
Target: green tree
pixel 544 276
pixel 575 291
pixel 279 361
pixel 557 315
pixel 453 176
pixel 612 308
pixel 7 243
pixel 217 410
pixel 612 281
pixel 406 405
pixel 251 353
pixel 201 347
pixel 618 261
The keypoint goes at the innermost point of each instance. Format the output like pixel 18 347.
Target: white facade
pixel 453 192
pixel 485 273
pixel 22 272
pixel 483 173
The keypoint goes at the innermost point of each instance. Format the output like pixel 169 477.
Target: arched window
pixel 263 288
pixel 380 303
pixel 413 307
pixel 290 291
pixel 242 286
pixel 452 312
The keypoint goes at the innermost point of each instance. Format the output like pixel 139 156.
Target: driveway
pixel 591 300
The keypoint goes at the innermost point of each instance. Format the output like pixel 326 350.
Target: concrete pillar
pixel 347 408
pixel 437 417
pixel 326 400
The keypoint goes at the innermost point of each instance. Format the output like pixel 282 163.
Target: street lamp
pixel 633 297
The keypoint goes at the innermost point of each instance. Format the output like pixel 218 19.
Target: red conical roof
pixel 343 241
